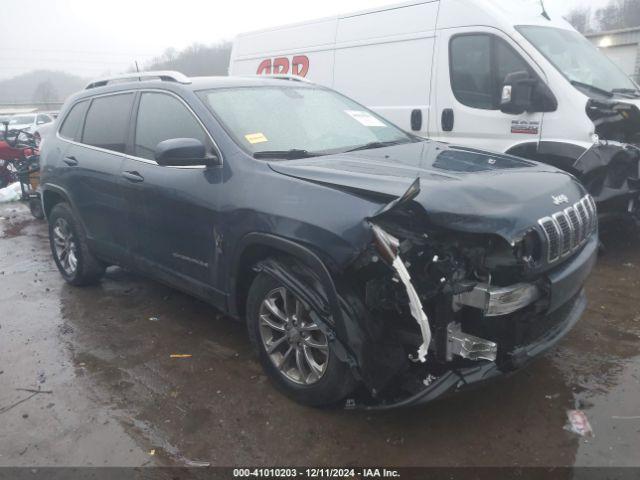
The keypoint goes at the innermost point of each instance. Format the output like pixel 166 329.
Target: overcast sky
pixel 95 37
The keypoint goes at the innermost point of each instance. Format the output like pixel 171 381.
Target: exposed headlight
pixel 496 301
pixel 530 249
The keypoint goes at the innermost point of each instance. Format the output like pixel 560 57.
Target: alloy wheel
pixel 65 246
pixel 293 341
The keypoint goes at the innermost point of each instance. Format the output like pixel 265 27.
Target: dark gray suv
pixel 370 265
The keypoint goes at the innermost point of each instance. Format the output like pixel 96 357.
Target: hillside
pixel 196 60
pixel 40 86
pixel 44 86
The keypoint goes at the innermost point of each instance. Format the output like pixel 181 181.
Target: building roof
pixel 621 31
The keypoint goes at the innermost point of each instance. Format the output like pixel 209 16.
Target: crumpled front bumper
pixel 466 379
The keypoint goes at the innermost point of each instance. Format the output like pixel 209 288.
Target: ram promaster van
pixel 502 75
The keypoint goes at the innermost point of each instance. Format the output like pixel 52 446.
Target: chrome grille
pixel 591 204
pixel 552 232
pixel 568 230
pixel 565 231
pixel 575 220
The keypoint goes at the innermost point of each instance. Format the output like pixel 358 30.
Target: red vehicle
pixel 20 161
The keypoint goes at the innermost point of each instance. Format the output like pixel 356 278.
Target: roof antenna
pixel 138 68
pixel 544 11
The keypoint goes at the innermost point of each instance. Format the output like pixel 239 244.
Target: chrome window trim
pixel 132 157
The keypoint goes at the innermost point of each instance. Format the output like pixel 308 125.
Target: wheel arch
pixel 51 196
pixel 255 247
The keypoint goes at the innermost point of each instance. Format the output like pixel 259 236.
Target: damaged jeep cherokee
pixel 372 267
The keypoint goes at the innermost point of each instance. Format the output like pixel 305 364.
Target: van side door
pixel 472 65
pixel 172 211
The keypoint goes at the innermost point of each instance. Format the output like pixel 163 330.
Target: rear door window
pixel 107 122
pixel 163 117
pixel 73 122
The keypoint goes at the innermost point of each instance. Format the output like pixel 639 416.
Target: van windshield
pixel 294 122
pixel 579 60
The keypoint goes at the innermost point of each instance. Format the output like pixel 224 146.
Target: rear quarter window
pixel 71 126
pixel 107 122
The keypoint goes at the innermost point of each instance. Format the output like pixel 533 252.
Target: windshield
pixel 301 119
pixel 22 120
pixel 578 59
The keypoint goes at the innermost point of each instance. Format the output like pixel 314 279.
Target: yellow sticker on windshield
pixel 256 138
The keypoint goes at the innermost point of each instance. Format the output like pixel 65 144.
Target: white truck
pixel 501 75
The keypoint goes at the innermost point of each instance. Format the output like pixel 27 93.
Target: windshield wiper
pixel 593 88
pixel 627 91
pixel 292 154
pixel 372 145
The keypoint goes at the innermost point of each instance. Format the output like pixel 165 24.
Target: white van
pixel 501 75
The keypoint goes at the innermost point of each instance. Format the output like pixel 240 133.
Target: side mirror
pixel 517 93
pixel 183 152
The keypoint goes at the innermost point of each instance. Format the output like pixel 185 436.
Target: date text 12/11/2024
pixel 343 473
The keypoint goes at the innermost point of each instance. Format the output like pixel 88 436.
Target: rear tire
pixel 311 373
pixel 77 265
pixel 35 206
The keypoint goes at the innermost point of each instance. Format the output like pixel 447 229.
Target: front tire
pixel 68 242
pixel 295 354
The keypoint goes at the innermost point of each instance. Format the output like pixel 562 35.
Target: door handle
pixel 134 177
pixel 71 160
pixel 416 120
pixel 448 120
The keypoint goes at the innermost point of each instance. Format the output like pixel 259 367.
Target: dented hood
pixel 460 189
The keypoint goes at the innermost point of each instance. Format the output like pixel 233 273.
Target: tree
pixel 580 18
pixel 615 15
pixel 46 93
pixel 618 14
pixel 195 60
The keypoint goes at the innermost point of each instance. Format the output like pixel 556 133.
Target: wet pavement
pixel 103 389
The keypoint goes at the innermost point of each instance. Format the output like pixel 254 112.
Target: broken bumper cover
pixel 611 173
pixel 468 378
